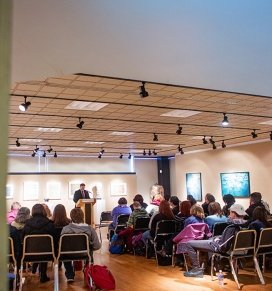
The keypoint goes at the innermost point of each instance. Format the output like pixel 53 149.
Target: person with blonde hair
pixel 197 215
pixel 215 215
pixel 11 215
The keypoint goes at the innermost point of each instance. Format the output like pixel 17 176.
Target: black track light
pixel 55 155
pixel 254 134
pixel 271 135
pixel 99 156
pixel 155 138
pixel 225 120
pixel 36 149
pixel 50 149
pixel 102 151
pixel 181 151
pixel 33 154
pixel 223 144
pixel 214 146
pixel 80 123
pixel 121 156
pixel 204 140
pixel 179 130
pixel 17 142
pixel 44 154
pixel 211 140
pixel 144 152
pixel 154 152
pixel 149 152
pixel 143 93
pixel 24 106
pixel 129 156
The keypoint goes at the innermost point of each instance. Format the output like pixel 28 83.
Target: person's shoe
pixel 196 272
pixel 70 280
pixel 44 279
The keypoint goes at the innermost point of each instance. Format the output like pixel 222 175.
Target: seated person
pixel 215 215
pixel 228 200
pixel 174 204
pixel 197 215
pixel 139 198
pixel 184 213
pixel 15 206
pixel 255 201
pixel 191 199
pixel 209 198
pixel 259 220
pixel 153 207
pixel 78 226
pixel 237 213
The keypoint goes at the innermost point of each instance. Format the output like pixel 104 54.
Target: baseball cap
pixel 239 209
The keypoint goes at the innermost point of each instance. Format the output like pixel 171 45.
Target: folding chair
pixel 122 220
pixel 264 246
pixel 39 249
pixel 244 246
pixel 141 224
pixel 105 221
pixel 12 260
pixel 219 228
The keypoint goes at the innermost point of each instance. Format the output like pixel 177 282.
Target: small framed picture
pixel 118 189
pixel 53 191
pixel 31 190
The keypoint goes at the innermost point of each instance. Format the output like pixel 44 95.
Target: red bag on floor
pixel 99 276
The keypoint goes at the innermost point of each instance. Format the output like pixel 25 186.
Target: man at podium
pixel 81 193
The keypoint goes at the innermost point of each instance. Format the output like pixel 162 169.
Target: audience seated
pixel 153 207
pixel 174 204
pixel 255 201
pixel 215 215
pixel 208 199
pixel 39 224
pixel 78 226
pixel 191 199
pixel 15 206
pixel 184 212
pixel 47 210
pixel 228 200
pixel 139 198
pixel 259 220
pixel 197 215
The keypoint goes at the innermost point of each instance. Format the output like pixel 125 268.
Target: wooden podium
pixel 87 207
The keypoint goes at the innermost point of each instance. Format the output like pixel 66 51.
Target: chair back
pixel 11 254
pixel 165 228
pixel 141 223
pixel 245 240
pixel 265 241
pixel 122 219
pixel 219 227
pixel 74 247
pixel 105 217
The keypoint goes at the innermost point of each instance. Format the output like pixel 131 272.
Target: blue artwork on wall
pixel 236 183
pixel 193 185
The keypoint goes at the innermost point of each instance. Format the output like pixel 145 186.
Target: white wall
pixel 255 159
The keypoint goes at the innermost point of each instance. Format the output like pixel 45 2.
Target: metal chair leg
pixel 234 273
pixel 257 267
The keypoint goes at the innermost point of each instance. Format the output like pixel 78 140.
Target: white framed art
pixel 9 191
pixel 31 190
pixel 118 189
pixel 53 190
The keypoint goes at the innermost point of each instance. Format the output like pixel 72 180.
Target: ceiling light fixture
pixel 211 140
pixel 149 152
pixel 223 144
pixel 121 156
pixel 225 120
pixel 80 123
pixel 143 93
pixel 44 154
pixel 55 155
pixel 214 146
pixel 17 142
pixel 204 140
pixel 24 106
pixel 36 149
pixel 179 130
pixel 33 154
pixel 154 152
pixel 155 138
pixel 180 150
pixel 50 149
pixel 254 134
pixel 144 152
pixel 129 156
pixel 99 156
pixel 102 151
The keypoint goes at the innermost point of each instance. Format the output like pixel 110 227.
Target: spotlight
pixel 36 149
pixel 33 154
pixel 143 93
pixel 271 135
pixel 102 151
pixel 24 106
pixel 223 144
pixel 80 123
pixel 55 155
pixel 180 150
pixel 204 140
pixel 50 149
pixel 214 146
pixel 44 154
pixel 121 156
pixel 129 156
pixel 149 153
pixel 225 120
pixel 211 140
pixel 99 156
pixel 254 134
pixel 154 152
pixel 179 130
pixel 17 142
pixel 144 152
pixel 155 138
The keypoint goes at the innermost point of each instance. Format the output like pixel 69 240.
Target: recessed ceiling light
pixel 48 129
pixel 269 122
pixel 180 113
pixel 84 105
pixel 94 142
pixel 121 133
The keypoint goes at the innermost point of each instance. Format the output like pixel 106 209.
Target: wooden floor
pixel 135 273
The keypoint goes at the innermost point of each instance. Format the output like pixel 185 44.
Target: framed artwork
pixel 236 183
pixel 31 191
pixel 118 189
pixel 53 190
pixel 73 186
pixel 194 186
pixel 9 191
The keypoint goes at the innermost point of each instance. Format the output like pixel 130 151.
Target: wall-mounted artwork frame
pixel 31 191
pixel 194 185
pixel 53 190
pixel 73 186
pixel 9 191
pixel 235 183
pixel 118 189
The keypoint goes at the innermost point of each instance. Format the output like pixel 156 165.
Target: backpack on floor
pixel 100 277
pixel 117 245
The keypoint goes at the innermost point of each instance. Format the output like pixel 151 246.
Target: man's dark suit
pixel 78 195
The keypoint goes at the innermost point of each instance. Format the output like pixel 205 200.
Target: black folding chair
pixel 105 221
pixel 264 245
pixel 122 220
pixel 12 260
pixel 219 228
pixel 141 224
